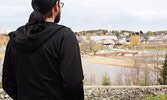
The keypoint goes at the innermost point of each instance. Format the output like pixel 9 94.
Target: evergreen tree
pixel 106 81
pixel 163 73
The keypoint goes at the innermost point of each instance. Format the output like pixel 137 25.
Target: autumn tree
pixel 149 33
pixel 3 40
pixel 88 37
pixel 135 40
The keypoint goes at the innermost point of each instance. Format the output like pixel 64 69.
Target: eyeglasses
pixel 61 4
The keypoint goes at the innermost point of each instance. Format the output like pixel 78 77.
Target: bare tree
pixel 135 72
pixel 92 78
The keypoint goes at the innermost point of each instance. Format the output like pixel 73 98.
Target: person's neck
pixel 49 20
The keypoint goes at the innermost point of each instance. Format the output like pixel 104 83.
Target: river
pixel 94 74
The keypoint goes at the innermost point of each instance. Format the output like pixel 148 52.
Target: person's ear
pixel 56 6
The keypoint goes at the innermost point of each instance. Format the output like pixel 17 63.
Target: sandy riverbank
pixel 114 61
pixel 119 61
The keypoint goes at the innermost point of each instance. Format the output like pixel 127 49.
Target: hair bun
pixel 43 6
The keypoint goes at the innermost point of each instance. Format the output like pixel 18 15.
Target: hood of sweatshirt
pixel 25 43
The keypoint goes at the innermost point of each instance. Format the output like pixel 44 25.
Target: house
pixel 157 39
pixel 108 41
pixel 100 38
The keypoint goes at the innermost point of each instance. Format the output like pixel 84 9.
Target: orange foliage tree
pixel 135 40
pixel 3 40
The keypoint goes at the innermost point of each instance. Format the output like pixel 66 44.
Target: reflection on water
pixel 94 73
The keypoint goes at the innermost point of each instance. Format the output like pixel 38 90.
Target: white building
pixel 100 38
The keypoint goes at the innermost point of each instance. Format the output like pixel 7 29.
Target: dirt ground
pixel 113 60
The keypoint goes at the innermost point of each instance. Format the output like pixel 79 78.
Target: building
pixel 108 41
pixel 100 38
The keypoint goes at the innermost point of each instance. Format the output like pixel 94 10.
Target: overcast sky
pixel 82 15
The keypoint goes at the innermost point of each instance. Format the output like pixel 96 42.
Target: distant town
pixel 144 53
pixel 118 39
pixel 127 49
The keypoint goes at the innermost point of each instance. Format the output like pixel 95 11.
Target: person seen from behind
pixel 42 59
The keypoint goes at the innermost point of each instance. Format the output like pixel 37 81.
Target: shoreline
pixel 116 62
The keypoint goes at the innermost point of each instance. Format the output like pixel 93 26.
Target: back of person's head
pixel 42 10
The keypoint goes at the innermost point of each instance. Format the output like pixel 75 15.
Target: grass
pixel 157 98
pixel 152 49
pixel 148 47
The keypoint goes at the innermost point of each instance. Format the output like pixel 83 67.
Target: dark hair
pixel 36 23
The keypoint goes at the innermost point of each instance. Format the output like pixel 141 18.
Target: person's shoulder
pixel 66 31
pixel 11 34
pixel 62 31
pixel 61 28
pixel 21 27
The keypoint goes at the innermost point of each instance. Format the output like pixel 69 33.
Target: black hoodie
pixel 48 67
